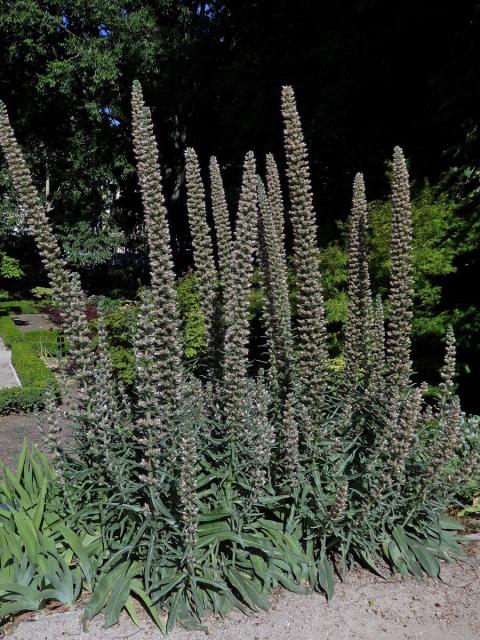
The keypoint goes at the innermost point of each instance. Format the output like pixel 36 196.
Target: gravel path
pixel 29 321
pixel 364 608
pixel 15 427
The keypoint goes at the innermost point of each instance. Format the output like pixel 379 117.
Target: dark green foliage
pixel 18 306
pixel 193 325
pixel 34 376
pixel 9 267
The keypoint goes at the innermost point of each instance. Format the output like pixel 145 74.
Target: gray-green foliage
pixel 209 492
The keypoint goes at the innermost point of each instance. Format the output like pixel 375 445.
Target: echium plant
pixel 202 247
pixel 311 349
pixel 221 218
pixel 201 493
pixel 400 300
pixel 358 327
pixel 274 270
pixel 237 288
pixel 166 323
pixel 66 290
pixel 275 198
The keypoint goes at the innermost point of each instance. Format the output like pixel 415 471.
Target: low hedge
pixel 35 377
pixel 9 331
pixel 18 306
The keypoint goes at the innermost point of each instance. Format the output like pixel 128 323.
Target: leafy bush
pixel 44 294
pixel 34 376
pixel 9 267
pixel 193 325
pixel 210 490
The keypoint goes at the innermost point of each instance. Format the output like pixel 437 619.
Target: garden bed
pixel 363 608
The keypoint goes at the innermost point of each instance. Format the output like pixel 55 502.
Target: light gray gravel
pixel 364 608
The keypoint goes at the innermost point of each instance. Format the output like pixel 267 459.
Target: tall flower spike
pixel 106 425
pixel 289 441
pixel 190 417
pixel 221 218
pixel 52 437
pixel 65 285
pixel 166 323
pixel 275 198
pixel 359 320
pixel 401 279
pixel 150 433
pixel 33 208
pixel 311 326
pixel 447 372
pixel 377 355
pixel 237 301
pixel 448 435
pixel 275 284
pixel 268 310
pixel 202 244
pixel 260 434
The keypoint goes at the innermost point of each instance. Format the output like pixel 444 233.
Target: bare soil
pixel 14 428
pixel 365 607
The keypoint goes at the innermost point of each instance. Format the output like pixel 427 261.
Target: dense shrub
pixel 34 376
pixel 9 331
pixel 209 490
pixel 18 306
